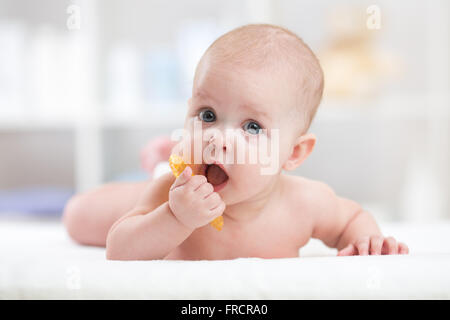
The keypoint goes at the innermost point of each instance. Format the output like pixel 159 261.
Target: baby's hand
pixel 374 245
pixel 193 200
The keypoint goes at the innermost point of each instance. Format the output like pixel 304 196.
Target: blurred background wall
pixel 85 84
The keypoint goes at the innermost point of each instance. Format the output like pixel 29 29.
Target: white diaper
pixel 160 169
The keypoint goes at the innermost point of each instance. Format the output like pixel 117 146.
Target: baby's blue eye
pixel 207 116
pixel 252 127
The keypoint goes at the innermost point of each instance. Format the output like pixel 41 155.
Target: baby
pixel 258 80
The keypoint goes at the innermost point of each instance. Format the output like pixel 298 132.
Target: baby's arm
pixel 163 219
pixel 89 215
pixel 343 224
pixel 149 225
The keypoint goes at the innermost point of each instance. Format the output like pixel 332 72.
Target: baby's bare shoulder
pixel 304 186
pixel 317 199
pixel 307 194
pixel 302 200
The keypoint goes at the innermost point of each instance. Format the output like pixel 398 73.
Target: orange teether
pixel 177 165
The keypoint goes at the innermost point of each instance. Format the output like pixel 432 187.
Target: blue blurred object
pixel 39 201
pixel 161 76
pixel 132 176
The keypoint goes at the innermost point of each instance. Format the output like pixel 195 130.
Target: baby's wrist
pixel 178 221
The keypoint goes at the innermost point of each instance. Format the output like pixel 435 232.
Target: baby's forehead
pixel 264 89
pixel 272 73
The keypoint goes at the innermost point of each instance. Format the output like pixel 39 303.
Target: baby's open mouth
pixel 215 174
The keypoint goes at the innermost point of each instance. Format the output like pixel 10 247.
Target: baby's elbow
pixel 113 251
pixel 118 245
pixel 80 222
pixel 110 254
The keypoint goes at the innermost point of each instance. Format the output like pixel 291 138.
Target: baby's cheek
pixel 247 177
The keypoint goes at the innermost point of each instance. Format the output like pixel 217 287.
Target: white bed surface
pixel 39 261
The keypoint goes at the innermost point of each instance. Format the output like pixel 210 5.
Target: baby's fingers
pixel 184 177
pixel 363 246
pixel 218 210
pixel 349 250
pixel 402 248
pixel 389 246
pixel 376 243
pixel 213 200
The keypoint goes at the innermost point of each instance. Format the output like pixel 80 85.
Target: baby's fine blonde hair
pixel 261 45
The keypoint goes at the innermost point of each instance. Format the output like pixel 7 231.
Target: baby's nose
pixel 218 143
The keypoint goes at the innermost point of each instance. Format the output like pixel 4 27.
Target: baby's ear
pixel 300 151
pixel 189 102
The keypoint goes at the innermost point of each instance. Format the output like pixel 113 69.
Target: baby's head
pixel 258 81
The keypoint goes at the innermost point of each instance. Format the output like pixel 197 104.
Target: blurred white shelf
pixel 410 106
pixel 171 115
pixel 33 123
pixel 161 116
pixel 87 130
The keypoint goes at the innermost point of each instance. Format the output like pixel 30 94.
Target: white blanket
pixel 39 261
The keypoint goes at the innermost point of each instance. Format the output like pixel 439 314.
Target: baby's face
pixel 248 103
